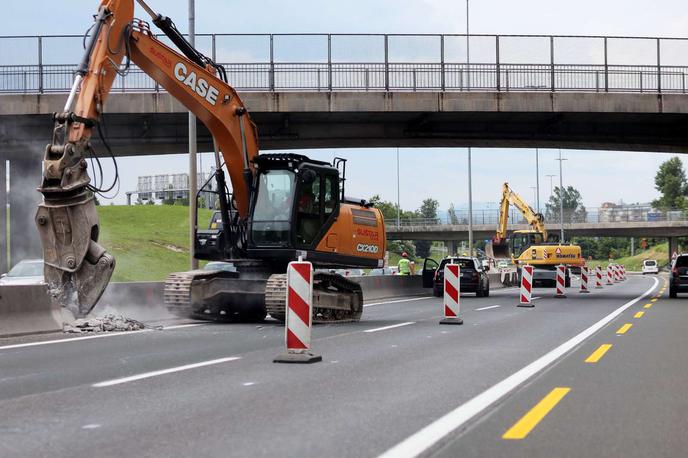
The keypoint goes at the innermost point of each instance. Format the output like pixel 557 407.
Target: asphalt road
pixel 396 383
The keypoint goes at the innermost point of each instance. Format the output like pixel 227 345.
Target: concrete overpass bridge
pixel 329 90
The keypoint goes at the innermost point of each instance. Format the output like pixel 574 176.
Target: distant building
pixel 610 212
pixel 158 188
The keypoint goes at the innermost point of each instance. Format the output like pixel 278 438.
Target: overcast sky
pixel 441 172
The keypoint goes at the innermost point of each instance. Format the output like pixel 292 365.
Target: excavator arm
pixel 77 268
pixel 536 220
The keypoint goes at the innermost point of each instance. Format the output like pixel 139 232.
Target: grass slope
pixel 635 263
pixel 148 241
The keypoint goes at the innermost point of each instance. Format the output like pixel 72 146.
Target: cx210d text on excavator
pixel 535 246
pixel 282 206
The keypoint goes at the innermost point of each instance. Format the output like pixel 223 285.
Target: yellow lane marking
pixel 530 420
pixel 599 353
pixel 624 328
pixel 653 300
pixel 647 306
pixel 638 314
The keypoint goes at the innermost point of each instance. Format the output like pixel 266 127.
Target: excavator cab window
pixel 271 224
pixel 522 241
pixel 318 198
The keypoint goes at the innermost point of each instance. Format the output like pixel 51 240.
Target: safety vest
pixel 404 266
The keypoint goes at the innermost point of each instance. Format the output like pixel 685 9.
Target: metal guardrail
pixel 370 62
pixel 594 215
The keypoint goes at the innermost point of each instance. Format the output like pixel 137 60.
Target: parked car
pixel 679 275
pixel 25 272
pixel 473 279
pixel 650 267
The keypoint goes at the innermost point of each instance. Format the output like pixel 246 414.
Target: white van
pixel 650 267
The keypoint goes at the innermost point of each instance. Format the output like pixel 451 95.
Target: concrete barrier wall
pixel 387 286
pixel 27 309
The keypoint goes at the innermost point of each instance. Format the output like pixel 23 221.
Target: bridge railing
pixel 394 62
pixel 591 215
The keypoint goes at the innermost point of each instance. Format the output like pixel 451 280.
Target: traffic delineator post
pixel 452 295
pixel 526 286
pixel 617 273
pixel 623 272
pixel 561 282
pixel 299 315
pixel 610 275
pixel 584 280
pixel 598 277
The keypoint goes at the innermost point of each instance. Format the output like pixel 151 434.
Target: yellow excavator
pixel 282 206
pixel 533 246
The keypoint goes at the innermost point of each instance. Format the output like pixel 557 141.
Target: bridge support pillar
pixel 3 216
pixel 452 247
pixel 25 177
pixel 673 247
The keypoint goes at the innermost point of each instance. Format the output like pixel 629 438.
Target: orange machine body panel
pixel 358 231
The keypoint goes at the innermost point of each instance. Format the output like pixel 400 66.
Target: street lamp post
pixel 192 154
pixel 551 187
pixel 398 193
pixel 470 185
pixel 537 178
pixel 561 196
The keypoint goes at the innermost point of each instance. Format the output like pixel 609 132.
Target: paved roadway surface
pixel 395 383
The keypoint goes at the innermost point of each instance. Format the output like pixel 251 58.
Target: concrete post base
pixel 451 321
pixel 292 357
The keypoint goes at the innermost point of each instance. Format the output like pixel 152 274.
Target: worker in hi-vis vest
pixel 404 264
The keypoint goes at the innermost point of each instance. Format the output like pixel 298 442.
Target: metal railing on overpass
pixel 386 62
pixel 592 215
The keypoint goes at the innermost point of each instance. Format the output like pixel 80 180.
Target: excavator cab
pixel 296 201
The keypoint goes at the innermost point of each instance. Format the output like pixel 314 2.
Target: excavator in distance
pixel 282 206
pixel 535 246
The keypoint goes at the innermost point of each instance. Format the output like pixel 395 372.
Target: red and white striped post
pixel 584 280
pixel 299 314
pixel 561 282
pixel 623 272
pixel 526 286
pixel 598 277
pixel 610 275
pixel 617 273
pixel 452 295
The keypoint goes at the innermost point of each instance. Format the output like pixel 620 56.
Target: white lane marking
pixel 435 431
pixel 249 383
pixel 133 378
pixel 91 426
pixel 182 326
pixel 384 328
pixel 487 308
pixel 397 301
pixel 97 336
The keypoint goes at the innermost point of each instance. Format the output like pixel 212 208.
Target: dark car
pixel 679 275
pixel 474 277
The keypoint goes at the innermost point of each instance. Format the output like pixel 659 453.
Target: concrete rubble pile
pixel 105 323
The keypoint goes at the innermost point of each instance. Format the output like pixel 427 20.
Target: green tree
pixel 428 212
pixel 574 210
pixel 671 182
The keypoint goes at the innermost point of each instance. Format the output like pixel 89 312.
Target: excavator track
pixel 177 294
pixel 336 299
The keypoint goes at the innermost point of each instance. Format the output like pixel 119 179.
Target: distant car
pixel 381 271
pixel 679 275
pixel 219 265
pixel 349 272
pixel 503 264
pixel 650 267
pixel 474 277
pixel 26 272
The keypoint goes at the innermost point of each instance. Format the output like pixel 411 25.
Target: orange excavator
pixel 282 206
